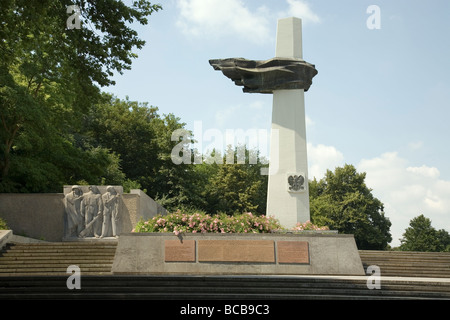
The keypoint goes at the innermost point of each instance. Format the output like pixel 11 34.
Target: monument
pixel 90 213
pixel 287 77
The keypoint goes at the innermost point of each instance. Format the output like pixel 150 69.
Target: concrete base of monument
pixel 320 253
pixel 89 239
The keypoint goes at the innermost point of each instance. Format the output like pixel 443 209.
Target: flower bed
pixel 308 226
pixel 203 223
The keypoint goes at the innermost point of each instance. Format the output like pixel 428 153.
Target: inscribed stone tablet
pixel 177 251
pixel 293 251
pixel 236 251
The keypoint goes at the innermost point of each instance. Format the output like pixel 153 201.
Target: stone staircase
pixel 408 264
pixel 53 258
pixel 239 288
pixel 38 271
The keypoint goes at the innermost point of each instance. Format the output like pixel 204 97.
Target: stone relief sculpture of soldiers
pixel 91 214
pixel 111 202
pixel 74 212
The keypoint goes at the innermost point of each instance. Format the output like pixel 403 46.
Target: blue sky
pixel 381 99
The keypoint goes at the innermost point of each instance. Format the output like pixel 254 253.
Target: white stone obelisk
pixel 287 194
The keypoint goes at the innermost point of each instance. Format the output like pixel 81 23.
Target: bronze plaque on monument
pixel 177 251
pixel 236 251
pixel 293 252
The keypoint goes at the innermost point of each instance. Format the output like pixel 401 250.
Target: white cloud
pixel 301 9
pixel 309 122
pixel 321 158
pixel 407 192
pixel 224 115
pixel 218 18
pixel 427 172
pixel 257 105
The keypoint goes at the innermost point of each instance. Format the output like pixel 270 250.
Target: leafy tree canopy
pixel 238 187
pixel 49 77
pixel 343 202
pixel 422 236
pixel 141 138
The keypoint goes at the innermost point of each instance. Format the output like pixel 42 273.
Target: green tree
pixel 170 180
pixel 343 202
pixel 141 138
pixel 444 239
pixel 421 236
pixel 237 187
pixel 49 77
pixel 124 127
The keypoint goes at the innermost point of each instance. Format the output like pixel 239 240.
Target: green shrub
pixel 3 225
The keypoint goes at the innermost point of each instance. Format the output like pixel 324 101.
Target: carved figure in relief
pixel 93 213
pixel 111 203
pixel 74 212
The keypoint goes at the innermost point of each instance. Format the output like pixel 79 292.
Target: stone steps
pixel 95 257
pixel 217 287
pixel 408 264
pixel 39 271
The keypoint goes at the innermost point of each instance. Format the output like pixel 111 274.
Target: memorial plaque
pixel 177 251
pixel 236 251
pixel 293 252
